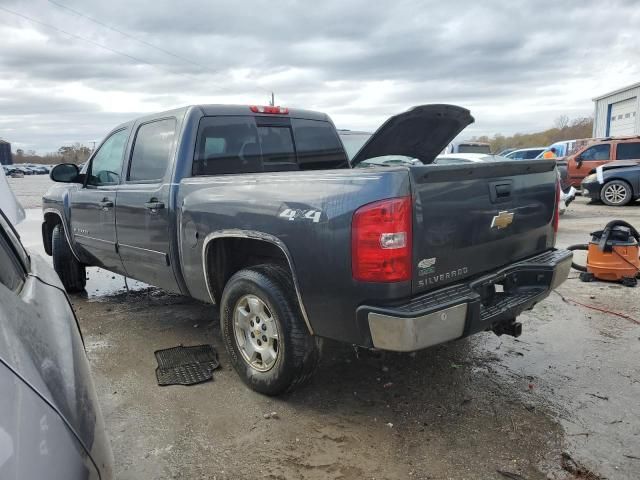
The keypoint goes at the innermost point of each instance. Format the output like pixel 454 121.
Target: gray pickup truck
pixel 259 210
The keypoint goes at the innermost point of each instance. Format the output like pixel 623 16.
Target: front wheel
pixel 264 332
pixel 616 193
pixel 71 272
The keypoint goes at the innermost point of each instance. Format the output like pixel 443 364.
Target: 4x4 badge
pixel 502 220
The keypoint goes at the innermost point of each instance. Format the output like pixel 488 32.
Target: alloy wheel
pixel 256 333
pixel 615 193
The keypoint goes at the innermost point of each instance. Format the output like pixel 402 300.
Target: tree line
pixel 563 129
pixel 76 153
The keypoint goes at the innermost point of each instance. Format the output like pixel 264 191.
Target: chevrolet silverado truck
pixel 259 211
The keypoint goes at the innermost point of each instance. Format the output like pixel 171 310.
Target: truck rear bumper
pixel 467 308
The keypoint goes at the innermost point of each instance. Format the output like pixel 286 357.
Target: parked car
pixel 468 146
pixel 50 422
pixel 564 148
pixel 615 183
pixel 502 153
pixel 40 169
pixel 258 210
pixel 525 153
pixel 600 152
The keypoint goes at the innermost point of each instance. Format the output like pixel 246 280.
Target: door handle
pixel 154 205
pixel 105 204
pixel 503 191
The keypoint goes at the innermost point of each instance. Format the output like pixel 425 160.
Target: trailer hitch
pixel 510 327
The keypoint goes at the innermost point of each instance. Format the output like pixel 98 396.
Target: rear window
pixel 629 151
pixel 228 145
pixel 318 145
pixel 468 148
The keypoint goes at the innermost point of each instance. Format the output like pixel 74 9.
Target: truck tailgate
pixel 471 219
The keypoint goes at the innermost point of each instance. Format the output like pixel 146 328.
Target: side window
pixel 318 145
pixel 628 151
pixel 152 150
pixel 597 152
pixel 107 162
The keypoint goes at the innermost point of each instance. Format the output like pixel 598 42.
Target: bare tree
pixel 561 122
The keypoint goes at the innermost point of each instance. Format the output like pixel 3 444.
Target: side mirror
pixel 65 173
pixel 578 161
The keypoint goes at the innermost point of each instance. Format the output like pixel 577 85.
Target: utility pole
pixel 272 102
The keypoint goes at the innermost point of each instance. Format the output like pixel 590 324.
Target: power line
pixel 78 37
pixel 100 45
pixel 125 34
pixel 132 37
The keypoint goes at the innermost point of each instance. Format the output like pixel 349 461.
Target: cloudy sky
pixel 70 70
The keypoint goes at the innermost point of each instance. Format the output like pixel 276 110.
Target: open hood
pixel 421 132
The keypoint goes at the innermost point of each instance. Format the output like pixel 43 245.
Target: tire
pixel 297 352
pixel 72 273
pixel 616 193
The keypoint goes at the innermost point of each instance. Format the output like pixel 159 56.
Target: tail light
pixel 381 241
pixel 269 109
pixel 556 211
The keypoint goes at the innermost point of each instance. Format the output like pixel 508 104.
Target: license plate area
pixel 504 292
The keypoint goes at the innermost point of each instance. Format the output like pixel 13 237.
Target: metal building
pixel 618 113
pixel 5 153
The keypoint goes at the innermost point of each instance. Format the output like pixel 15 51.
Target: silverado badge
pixel 502 220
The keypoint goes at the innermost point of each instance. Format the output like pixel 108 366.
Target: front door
pixel 144 236
pixel 93 206
pixel 582 163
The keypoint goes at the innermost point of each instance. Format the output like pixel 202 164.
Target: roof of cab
pixel 244 110
pixel 221 109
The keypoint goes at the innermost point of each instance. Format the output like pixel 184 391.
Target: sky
pixel 71 70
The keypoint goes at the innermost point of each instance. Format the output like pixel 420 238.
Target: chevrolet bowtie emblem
pixel 502 220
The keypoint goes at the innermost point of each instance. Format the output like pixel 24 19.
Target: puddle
pixel 583 365
pixel 100 283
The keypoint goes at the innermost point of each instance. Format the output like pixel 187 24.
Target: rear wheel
pixel 616 193
pixel 264 332
pixel 72 273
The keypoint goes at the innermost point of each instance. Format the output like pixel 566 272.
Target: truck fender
pixel 254 235
pixel 65 227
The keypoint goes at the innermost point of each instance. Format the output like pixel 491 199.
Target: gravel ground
pixel 560 402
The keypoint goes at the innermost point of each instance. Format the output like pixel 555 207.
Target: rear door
pixel 143 214
pixel 93 206
pixel 582 163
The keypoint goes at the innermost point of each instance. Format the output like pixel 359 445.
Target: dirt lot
pixel 562 401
